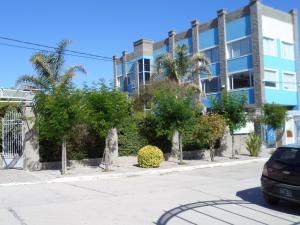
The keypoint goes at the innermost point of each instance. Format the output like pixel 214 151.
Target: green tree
pixel 107 112
pixel 174 113
pixel 232 107
pixel 55 106
pixel 274 116
pixel 173 70
pixel 209 129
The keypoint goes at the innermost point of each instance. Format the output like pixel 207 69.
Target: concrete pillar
pixel 124 61
pixel 115 59
pixel 222 47
pixel 143 47
pixel 195 35
pixel 172 34
pixel 257 52
pixel 294 15
pixel 30 141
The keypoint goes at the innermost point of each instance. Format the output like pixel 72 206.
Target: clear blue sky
pixel 101 27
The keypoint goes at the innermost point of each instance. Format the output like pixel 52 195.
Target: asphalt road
pixel 228 195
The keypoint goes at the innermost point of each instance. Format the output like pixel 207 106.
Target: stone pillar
pixel 294 15
pixel 112 141
pixel 124 61
pixel 1 161
pixel 222 47
pixel 115 59
pixel 195 35
pixel 257 52
pixel 172 34
pixel 30 141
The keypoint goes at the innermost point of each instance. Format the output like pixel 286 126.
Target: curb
pixel 134 174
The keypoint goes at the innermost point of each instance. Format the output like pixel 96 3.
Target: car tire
pixel 270 200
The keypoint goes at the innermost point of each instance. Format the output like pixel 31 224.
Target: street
pixel 220 195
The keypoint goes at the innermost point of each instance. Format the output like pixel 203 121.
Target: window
pixel 287 156
pixel 289 81
pixel 209 86
pixel 287 50
pixel 212 54
pixel 118 81
pixel 241 80
pixel 144 70
pixel 128 79
pixel 239 48
pixel 147 69
pixel 270 47
pixel 271 78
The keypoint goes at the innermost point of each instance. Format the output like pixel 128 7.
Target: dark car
pixel 281 175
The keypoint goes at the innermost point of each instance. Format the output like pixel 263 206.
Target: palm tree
pixel 181 66
pixel 51 78
pixel 177 68
pixel 49 68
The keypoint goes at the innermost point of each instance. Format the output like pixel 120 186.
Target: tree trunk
pixel 106 156
pixel 232 145
pixel 175 145
pixel 64 157
pixel 180 149
pixel 212 151
pixel 112 145
pixel 276 138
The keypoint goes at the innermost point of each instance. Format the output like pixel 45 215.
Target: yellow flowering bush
pixel 150 157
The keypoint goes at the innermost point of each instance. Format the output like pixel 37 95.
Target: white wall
pixel 277 29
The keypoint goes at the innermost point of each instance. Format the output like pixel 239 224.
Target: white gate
pixel 12 140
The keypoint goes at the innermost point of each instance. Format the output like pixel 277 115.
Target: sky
pixel 102 27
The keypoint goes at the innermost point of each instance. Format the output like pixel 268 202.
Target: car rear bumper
pixel 280 190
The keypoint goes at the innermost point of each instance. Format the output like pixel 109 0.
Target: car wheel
pixel 271 200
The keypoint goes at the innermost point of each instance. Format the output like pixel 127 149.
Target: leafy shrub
pixel 129 138
pixel 147 129
pixel 253 143
pixel 150 157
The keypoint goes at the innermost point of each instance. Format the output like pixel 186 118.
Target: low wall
pixel 197 154
pixel 71 163
pixel 239 144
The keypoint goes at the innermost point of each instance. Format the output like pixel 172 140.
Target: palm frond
pixel 29 81
pixel 59 58
pixel 201 64
pixel 69 74
pixel 41 64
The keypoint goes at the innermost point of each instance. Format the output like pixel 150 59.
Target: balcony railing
pixel 14 94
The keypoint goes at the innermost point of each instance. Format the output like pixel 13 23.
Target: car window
pixel 288 156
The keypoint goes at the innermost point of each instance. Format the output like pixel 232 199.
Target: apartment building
pixel 253 51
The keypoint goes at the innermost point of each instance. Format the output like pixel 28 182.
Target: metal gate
pixel 12 140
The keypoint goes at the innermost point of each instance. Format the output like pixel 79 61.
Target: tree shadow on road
pixel 254 196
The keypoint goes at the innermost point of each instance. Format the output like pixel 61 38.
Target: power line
pixel 38 49
pixel 51 47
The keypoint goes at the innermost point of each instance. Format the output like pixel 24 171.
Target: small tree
pixel 54 103
pixel 173 114
pixel 232 107
pixel 57 114
pixel 107 111
pixel 274 116
pixel 209 129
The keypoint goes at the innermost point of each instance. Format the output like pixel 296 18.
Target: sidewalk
pixel 127 168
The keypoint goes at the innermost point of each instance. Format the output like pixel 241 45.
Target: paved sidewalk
pixel 127 168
